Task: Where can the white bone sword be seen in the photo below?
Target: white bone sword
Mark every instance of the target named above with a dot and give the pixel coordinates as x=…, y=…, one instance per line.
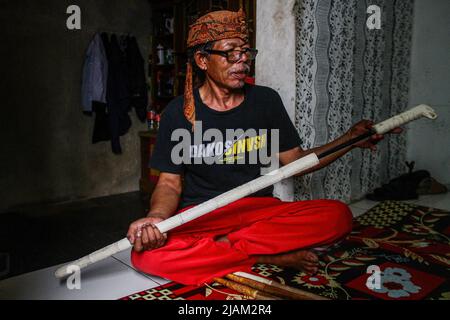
x=249, y=188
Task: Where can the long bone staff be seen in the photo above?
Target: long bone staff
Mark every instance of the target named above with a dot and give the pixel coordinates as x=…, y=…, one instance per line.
x=251, y=187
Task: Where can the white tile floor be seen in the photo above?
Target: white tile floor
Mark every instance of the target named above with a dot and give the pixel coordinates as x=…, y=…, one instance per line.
x=115, y=277
x=108, y=279
x=124, y=257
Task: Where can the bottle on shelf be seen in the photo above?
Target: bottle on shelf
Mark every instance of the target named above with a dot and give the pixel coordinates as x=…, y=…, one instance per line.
x=157, y=120
x=160, y=51
x=169, y=85
x=169, y=56
x=151, y=117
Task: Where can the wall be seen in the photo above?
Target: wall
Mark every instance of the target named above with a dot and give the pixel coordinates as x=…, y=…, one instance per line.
x=46, y=151
x=429, y=141
x=275, y=64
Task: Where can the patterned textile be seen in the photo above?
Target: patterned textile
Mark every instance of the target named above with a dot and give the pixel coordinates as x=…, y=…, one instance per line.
x=410, y=245
x=216, y=26
x=213, y=26
x=345, y=73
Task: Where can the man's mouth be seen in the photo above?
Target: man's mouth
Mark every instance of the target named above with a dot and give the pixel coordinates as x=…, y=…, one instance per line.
x=239, y=75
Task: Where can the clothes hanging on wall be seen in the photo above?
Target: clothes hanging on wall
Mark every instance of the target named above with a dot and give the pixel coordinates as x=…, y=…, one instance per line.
x=136, y=76
x=95, y=74
x=117, y=94
x=123, y=86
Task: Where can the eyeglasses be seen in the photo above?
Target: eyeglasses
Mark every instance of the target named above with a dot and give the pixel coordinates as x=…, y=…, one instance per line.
x=235, y=55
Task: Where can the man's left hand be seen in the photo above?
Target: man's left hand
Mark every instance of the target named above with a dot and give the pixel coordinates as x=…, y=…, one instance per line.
x=362, y=127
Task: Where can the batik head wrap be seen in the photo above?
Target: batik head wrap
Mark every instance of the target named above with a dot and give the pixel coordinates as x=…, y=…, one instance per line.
x=213, y=26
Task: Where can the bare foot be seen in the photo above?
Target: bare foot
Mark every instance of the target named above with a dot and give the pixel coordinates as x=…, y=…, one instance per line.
x=302, y=260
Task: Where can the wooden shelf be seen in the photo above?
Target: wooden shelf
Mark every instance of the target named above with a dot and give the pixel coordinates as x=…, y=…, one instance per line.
x=163, y=65
x=149, y=177
x=148, y=133
x=165, y=97
x=183, y=12
x=168, y=36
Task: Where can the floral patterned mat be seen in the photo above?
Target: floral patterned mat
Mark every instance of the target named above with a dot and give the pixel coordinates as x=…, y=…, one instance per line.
x=397, y=251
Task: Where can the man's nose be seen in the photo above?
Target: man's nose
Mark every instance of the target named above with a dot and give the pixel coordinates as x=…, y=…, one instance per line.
x=243, y=58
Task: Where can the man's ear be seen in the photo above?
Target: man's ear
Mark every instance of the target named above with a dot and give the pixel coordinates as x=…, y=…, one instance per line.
x=201, y=60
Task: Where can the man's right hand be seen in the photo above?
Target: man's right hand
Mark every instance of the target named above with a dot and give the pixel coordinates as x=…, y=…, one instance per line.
x=144, y=235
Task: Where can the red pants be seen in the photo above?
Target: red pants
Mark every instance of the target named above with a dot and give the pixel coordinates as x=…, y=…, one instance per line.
x=254, y=226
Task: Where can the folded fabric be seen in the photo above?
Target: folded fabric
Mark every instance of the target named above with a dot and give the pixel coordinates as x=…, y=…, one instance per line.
x=408, y=186
x=401, y=188
x=431, y=186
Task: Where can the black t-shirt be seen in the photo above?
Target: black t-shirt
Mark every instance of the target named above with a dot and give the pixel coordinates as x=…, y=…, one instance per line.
x=217, y=161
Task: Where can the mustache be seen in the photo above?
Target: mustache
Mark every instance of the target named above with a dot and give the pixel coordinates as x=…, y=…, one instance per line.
x=241, y=69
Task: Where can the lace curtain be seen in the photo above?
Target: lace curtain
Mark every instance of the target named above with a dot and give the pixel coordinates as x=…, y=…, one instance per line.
x=345, y=73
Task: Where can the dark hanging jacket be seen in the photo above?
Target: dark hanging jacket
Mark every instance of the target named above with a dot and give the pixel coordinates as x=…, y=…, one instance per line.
x=126, y=88
x=117, y=94
x=136, y=78
x=102, y=131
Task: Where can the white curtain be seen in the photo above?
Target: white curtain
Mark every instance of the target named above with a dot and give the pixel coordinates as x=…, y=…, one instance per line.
x=345, y=73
